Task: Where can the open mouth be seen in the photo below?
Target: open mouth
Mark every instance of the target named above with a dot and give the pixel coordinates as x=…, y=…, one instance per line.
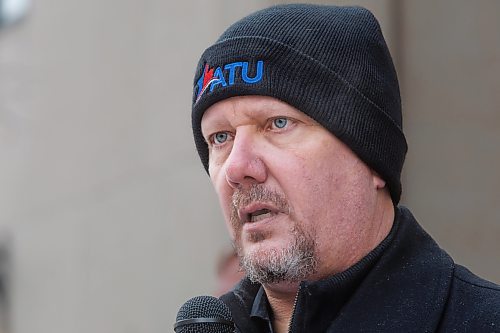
x=259, y=215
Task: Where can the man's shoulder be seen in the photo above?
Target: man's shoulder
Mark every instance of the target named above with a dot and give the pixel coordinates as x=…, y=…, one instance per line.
x=475, y=292
x=473, y=303
x=468, y=281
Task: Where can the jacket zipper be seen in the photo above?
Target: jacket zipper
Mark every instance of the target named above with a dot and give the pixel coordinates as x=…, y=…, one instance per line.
x=290, y=324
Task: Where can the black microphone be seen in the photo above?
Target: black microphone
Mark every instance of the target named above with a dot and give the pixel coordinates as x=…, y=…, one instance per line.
x=204, y=314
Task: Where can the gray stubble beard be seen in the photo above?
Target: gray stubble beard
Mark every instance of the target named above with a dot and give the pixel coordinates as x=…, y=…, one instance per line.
x=293, y=263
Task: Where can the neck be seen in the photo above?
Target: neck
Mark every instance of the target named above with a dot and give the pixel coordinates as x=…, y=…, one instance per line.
x=378, y=224
x=281, y=297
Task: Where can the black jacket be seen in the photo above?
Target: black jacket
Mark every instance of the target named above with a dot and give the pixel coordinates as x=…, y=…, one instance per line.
x=414, y=286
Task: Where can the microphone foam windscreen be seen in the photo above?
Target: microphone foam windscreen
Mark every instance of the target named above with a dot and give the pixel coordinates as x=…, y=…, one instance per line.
x=200, y=309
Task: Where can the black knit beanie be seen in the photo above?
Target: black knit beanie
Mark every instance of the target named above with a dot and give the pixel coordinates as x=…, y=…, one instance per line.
x=332, y=63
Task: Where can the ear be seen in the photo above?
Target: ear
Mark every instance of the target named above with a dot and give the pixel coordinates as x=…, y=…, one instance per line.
x=378, y=182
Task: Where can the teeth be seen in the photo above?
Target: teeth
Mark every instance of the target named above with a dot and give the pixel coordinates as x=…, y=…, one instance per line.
x=259, y=215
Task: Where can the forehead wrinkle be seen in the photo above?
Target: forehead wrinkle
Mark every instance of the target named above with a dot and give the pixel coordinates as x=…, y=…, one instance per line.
x=265, y=106
x=247, y=109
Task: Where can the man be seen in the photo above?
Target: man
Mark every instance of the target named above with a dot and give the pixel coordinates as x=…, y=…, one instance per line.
x=297, y=119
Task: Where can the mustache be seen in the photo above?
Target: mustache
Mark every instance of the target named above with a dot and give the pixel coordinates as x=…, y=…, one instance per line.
x=256, y=193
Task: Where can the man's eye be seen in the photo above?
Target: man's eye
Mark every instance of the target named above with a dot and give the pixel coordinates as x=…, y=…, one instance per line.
x=280, y=122
x=220, y=137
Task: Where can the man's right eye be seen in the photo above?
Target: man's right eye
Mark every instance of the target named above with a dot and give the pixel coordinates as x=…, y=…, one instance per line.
x=219, y=138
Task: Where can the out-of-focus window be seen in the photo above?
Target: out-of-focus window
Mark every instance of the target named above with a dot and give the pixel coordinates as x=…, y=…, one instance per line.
x=12, y=11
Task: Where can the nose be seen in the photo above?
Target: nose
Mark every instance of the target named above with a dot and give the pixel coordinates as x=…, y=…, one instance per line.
x=244, y=165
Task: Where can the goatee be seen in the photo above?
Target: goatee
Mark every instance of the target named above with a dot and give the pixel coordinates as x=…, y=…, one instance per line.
x=292, y=263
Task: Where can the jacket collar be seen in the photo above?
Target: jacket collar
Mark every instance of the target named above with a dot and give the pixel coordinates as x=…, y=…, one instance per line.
x=407, y=289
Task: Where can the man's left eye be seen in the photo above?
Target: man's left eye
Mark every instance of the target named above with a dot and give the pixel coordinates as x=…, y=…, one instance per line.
x=280, y=122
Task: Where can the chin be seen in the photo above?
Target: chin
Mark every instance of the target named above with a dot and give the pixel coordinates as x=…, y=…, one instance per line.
x=261, y=245
x=258, y=251
x=277, y=263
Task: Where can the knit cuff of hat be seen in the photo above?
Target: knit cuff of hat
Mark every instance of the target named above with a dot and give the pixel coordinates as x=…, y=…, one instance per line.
x=311, y=87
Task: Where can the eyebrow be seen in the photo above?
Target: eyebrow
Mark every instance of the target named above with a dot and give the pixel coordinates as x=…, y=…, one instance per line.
x=253, y=111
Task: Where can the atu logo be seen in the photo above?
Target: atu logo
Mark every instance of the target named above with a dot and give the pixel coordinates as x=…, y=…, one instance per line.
x=226, y=75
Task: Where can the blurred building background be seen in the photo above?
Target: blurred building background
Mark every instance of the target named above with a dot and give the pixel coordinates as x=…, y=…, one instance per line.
x=108, y=222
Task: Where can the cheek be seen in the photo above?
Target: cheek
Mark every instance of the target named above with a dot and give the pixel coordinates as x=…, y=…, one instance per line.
x=301, y=179
x=327, y=192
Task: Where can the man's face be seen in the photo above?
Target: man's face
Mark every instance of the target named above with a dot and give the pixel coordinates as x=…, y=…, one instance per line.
x=298, y=203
